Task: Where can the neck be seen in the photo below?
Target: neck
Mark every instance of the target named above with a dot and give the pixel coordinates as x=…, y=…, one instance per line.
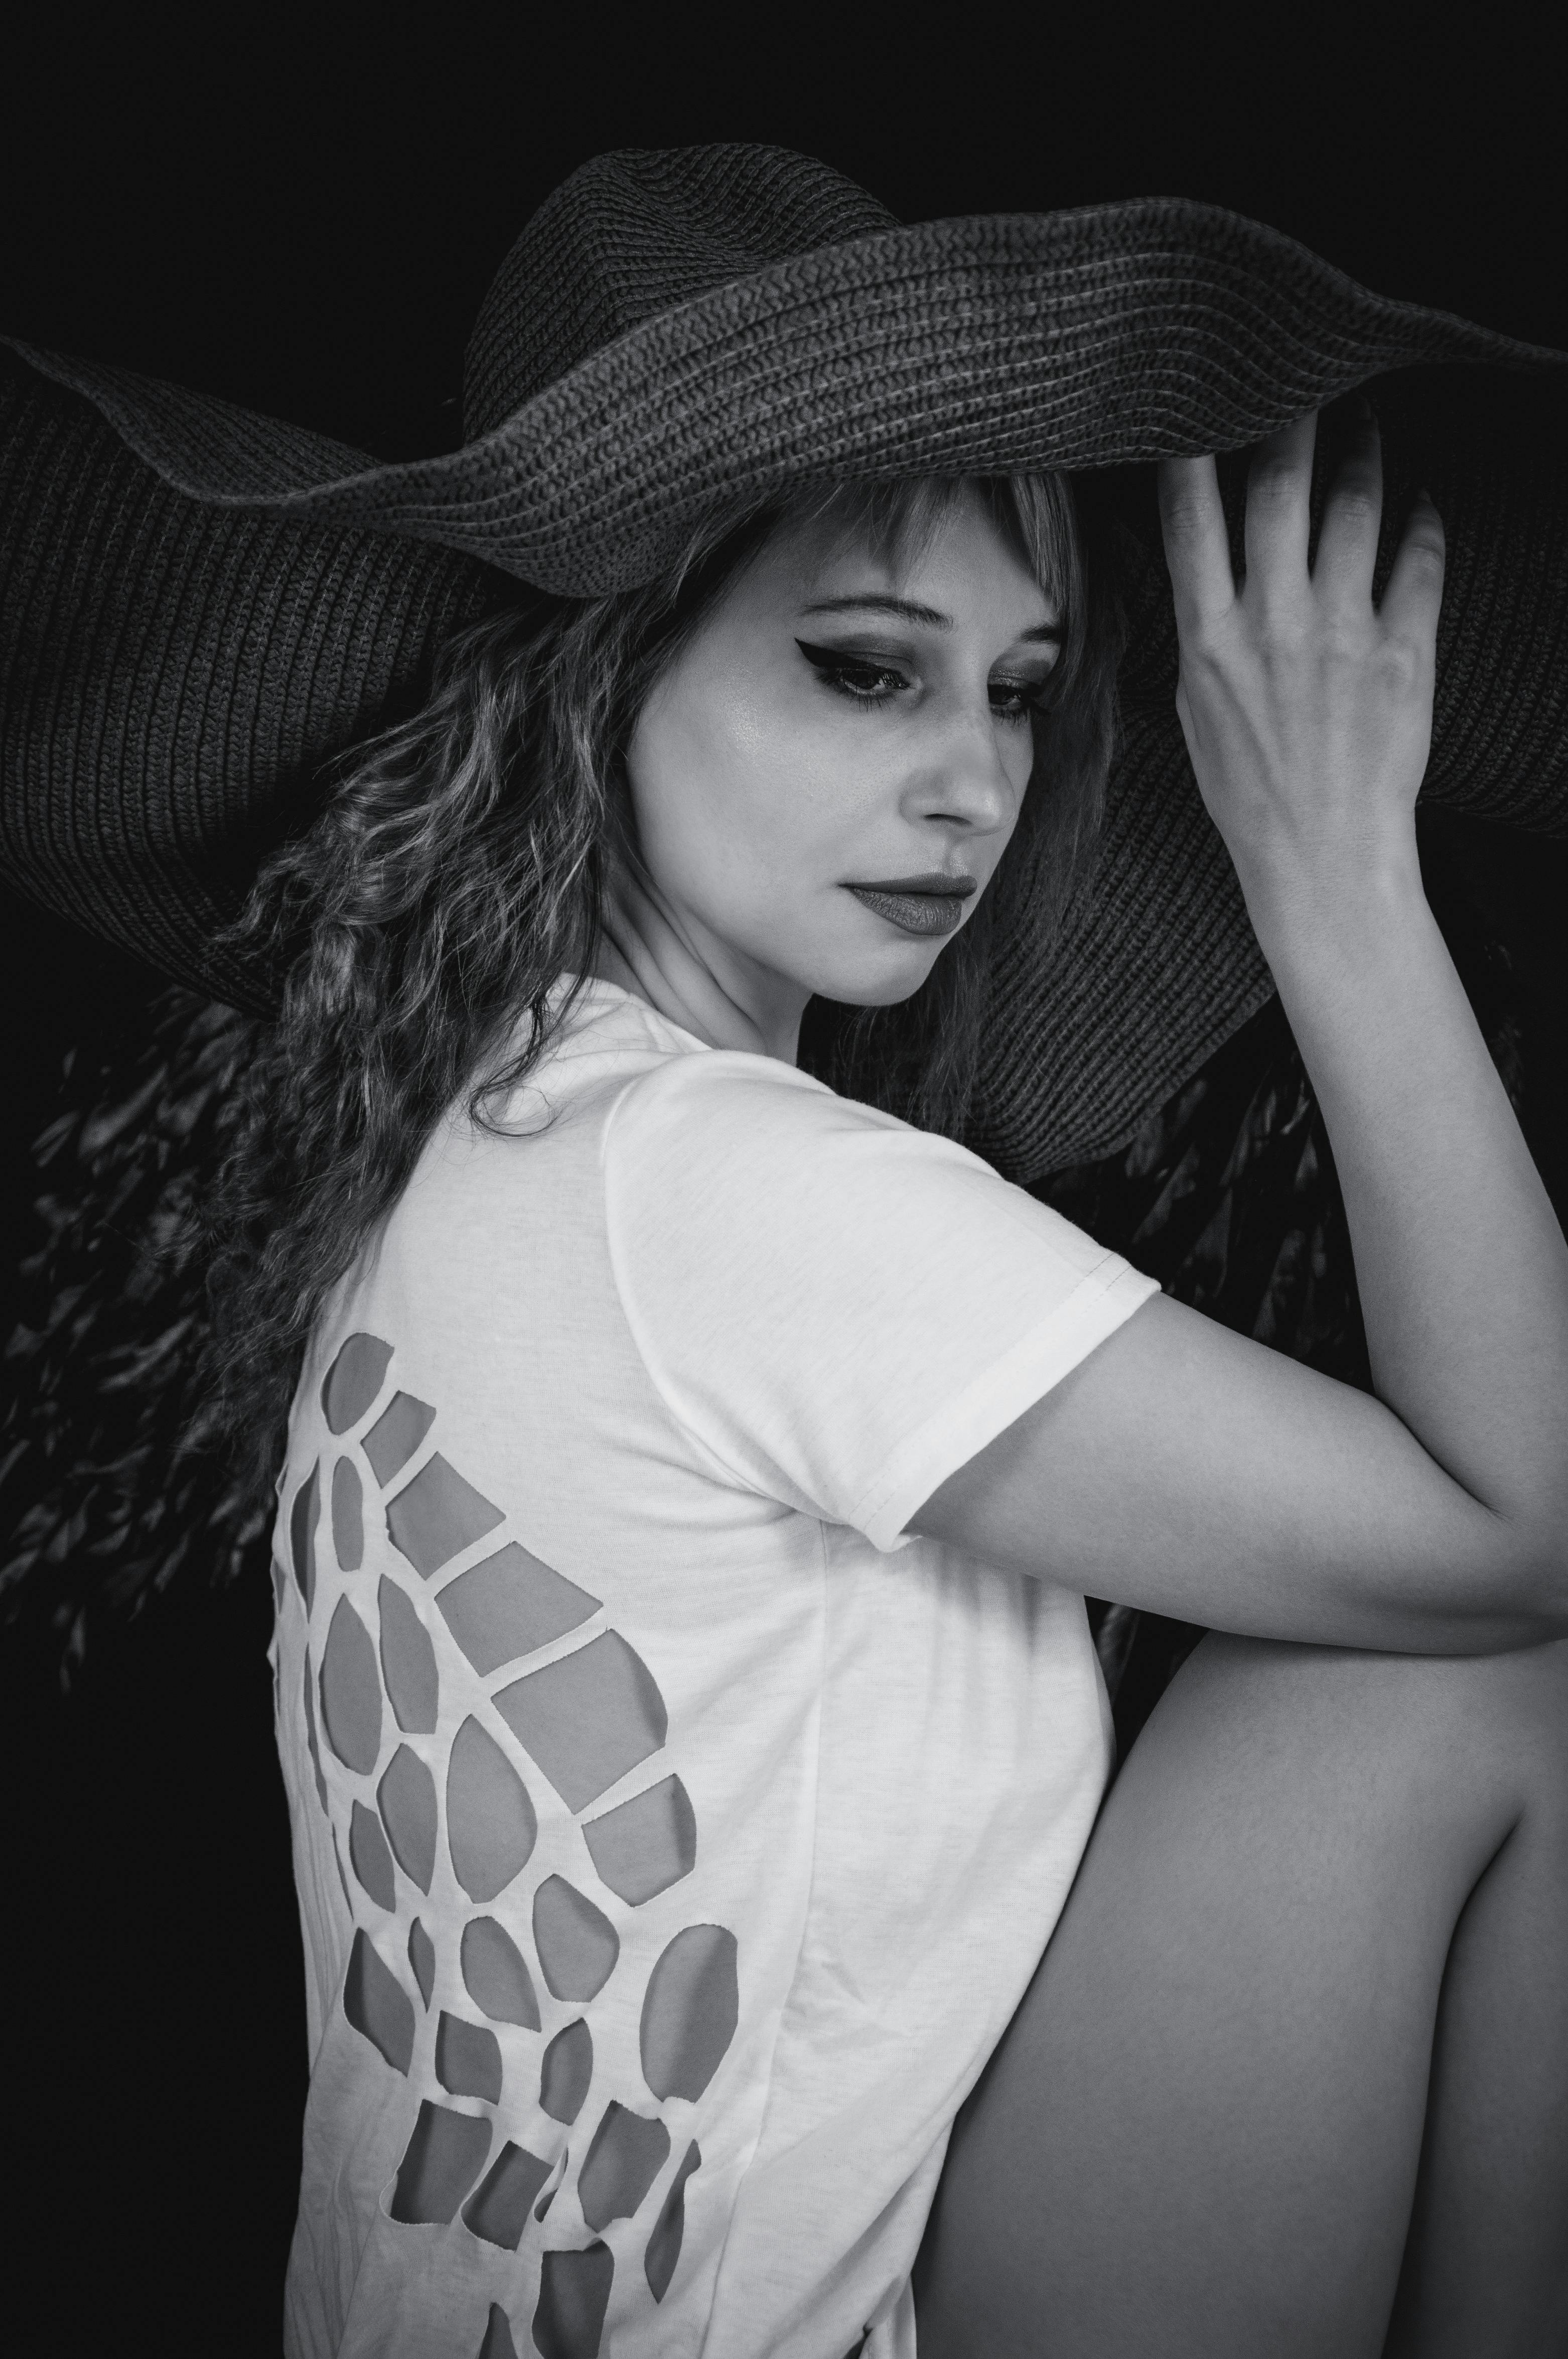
x=649, y=952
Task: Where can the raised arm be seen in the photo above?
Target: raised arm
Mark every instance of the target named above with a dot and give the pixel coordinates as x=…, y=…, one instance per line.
x=1182, y=1467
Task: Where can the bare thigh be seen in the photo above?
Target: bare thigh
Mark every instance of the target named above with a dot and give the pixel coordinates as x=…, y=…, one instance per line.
x=1204, y=2128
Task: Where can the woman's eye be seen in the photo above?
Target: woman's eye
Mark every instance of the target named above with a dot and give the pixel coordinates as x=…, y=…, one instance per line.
x=867, y=681
x=858, y=677
x=1015, y=700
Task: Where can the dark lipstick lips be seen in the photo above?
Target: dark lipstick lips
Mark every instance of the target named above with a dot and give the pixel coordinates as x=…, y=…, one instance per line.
x=931, y=880
x=931, y=904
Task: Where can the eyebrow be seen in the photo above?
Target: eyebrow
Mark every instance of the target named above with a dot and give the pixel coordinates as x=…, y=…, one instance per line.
x=908, y=610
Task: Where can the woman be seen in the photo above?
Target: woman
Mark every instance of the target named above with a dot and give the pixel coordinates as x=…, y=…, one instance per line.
x=684, y=1693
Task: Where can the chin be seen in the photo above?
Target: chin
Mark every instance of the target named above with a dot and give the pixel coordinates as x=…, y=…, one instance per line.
x=884, y=982
x=885, y=995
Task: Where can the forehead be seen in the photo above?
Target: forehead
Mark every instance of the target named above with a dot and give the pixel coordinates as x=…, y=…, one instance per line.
x=951, y=553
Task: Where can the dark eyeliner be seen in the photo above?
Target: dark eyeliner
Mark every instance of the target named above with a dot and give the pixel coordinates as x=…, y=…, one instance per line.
x=836, y=667
x=843, y=658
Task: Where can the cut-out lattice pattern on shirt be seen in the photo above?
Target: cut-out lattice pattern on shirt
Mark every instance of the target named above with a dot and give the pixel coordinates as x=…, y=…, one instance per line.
x=454, y=1782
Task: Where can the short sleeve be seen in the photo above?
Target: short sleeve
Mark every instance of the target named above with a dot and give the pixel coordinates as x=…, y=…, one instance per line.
x=840, y=1310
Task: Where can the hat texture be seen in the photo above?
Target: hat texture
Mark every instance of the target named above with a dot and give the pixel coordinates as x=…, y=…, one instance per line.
x=200, y=607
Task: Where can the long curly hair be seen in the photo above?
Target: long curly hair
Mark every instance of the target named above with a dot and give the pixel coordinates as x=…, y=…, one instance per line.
x=459, y=872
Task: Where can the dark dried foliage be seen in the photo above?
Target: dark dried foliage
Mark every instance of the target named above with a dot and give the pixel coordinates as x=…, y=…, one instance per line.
x=108, y=1480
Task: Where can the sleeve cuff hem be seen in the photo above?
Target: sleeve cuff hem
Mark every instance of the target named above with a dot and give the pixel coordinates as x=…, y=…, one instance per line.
x=1104, y=1301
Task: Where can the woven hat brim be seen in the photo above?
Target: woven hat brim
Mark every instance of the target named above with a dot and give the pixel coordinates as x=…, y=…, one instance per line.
x=173, y=678
x=1084, y=339
x=199, y=608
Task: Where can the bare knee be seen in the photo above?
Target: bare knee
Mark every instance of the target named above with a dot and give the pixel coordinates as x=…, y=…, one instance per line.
x=1491, y=1730
x=1260, y=1935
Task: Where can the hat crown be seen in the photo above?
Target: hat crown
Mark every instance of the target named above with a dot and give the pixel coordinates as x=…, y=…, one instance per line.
x=637, y=231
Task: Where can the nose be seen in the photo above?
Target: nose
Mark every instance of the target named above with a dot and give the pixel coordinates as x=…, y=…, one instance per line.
x=967, y=779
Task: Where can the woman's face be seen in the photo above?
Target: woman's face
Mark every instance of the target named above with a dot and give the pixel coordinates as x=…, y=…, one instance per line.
x=826, y=778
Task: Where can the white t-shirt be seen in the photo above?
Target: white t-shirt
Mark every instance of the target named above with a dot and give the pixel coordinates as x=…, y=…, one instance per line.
x=673, y=1838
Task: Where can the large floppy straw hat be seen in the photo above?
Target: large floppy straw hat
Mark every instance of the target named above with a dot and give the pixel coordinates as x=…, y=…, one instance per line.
x=200, y=607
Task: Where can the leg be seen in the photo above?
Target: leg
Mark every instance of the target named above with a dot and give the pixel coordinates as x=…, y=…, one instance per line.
x=1491, y=2208
x=1200, y=2137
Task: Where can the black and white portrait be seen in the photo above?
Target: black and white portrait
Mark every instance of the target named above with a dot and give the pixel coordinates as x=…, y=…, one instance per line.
x=783, y=1482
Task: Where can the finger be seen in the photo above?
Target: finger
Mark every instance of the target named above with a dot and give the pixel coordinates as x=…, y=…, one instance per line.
x=1197, y=550
x=1347, y=544
x=1279, y=486
x=1413, y=598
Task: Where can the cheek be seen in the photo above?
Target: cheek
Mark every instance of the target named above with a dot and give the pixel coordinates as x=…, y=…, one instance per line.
x=731, y=793
x=698, y=792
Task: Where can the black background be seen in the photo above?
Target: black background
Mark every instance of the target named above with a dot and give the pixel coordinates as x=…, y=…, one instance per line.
x=302, y=214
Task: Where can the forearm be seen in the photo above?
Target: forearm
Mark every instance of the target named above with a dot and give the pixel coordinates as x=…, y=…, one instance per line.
x=1461, y=1264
